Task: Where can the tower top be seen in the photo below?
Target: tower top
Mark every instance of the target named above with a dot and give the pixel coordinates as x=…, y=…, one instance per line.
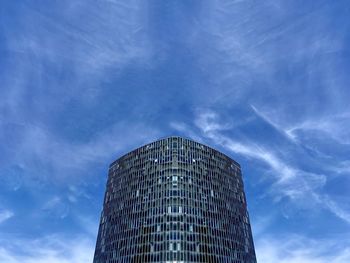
x=175, y=138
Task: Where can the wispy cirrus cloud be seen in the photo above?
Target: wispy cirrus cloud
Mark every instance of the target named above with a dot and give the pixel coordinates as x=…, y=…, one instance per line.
x=334, y=126
x=64, y=51
x=287, y=179
x=55, y=58
x=113, y=33
x=49, y=249
x=284, y=60
x=5, y=215
x=299, y=249
x=326, y=137
x=83, y=80
x=247, y=48
x=335, y=208
x=59, y=158
x=292, y=181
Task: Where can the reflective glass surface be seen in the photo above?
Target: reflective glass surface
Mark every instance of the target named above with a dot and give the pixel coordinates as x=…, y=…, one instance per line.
x=174, y=200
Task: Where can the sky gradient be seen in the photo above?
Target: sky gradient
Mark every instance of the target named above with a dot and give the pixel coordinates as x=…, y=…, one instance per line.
x=83, y=82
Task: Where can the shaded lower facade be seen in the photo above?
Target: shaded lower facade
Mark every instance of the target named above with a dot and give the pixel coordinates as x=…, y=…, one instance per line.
x=174, y=200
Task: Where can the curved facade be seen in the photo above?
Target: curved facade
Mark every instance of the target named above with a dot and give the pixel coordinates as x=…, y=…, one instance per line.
x=174, y=200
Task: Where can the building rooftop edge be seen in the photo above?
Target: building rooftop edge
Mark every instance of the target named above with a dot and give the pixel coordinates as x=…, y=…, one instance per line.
x=173, y=136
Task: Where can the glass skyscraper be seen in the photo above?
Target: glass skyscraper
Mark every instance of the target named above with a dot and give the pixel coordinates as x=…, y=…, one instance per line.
x=174, y=200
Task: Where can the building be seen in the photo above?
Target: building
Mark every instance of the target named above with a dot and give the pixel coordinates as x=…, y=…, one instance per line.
x=174, y=200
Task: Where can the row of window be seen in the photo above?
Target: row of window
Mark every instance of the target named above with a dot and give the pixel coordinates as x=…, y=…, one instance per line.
x=174, y=200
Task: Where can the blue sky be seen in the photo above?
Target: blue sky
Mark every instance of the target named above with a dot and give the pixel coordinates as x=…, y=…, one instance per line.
x=266, y=82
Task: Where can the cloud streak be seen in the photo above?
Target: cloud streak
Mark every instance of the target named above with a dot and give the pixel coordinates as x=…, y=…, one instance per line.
x=61, y=158
x=80, y=43
x=290, y=181
x=299, y=249
x=5, y=215
x=50, y=249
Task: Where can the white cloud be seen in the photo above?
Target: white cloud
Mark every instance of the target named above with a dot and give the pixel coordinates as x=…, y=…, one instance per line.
x=335, y=208
x=272, y=123
x=185, y=129
x=341, y=168
x=298, y=249
x=89, y=224
x=248, y=44
x=65, y=52
x=50, y=249
x=52, y=203
x=335, y=126
x=261, y=224
x=5, y=215
x=288, y=180
x=268, y=55
x=60, y=158
x=56, y=207
x=90, y=35
x=208, y=123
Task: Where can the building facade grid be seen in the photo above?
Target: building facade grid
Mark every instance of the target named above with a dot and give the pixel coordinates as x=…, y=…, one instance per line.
x=174, y=200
